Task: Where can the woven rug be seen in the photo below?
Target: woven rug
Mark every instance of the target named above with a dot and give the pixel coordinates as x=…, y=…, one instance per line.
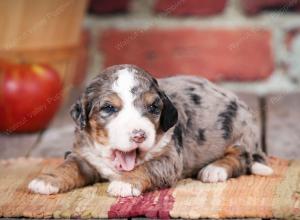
x=277, y=196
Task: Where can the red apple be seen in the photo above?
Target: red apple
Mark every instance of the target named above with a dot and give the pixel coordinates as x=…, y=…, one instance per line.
x=30, y=94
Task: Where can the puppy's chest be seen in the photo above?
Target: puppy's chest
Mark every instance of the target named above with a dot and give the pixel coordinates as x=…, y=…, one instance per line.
x=98, y=162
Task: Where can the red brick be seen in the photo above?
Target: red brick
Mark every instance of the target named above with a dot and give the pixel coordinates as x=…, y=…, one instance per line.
x=108, y=6
x=228, y=54
x=255, y=6
x=190, y=7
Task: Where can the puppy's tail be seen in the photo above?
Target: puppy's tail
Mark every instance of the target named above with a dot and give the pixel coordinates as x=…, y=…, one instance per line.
x=261, y=169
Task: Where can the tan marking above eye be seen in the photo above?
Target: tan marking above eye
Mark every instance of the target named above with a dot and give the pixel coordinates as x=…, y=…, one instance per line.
x=114, y=100
x=149, y=97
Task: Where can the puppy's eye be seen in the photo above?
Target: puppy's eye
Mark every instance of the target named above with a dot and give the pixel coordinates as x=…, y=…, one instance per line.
x=154, y=108
x=107, y=110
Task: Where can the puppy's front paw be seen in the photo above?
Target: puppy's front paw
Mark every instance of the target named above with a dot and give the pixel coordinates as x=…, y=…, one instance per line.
x=123, y=189
x=213, y=174
x=43, y=186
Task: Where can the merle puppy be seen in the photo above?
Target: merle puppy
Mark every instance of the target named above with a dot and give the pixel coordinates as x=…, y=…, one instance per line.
x=142, y=134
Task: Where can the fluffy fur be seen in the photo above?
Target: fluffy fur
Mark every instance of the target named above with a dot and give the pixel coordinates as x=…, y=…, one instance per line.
x=187, y=127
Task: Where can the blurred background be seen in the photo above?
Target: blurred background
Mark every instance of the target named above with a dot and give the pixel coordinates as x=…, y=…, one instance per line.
x=49, y=49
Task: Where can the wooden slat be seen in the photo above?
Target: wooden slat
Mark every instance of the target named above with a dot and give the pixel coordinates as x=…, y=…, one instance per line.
x=282, y=125
x=59, y=137
x=55, y=141
x=16, y=145
x=253, y=101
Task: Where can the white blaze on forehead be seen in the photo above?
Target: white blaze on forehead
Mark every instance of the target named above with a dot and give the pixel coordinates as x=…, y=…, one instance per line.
x=123, y=85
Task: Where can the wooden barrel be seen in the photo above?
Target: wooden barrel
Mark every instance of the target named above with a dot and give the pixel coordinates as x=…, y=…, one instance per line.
x=42, y=31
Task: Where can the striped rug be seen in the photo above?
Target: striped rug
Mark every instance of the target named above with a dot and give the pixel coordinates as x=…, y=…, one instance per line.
x=277, y=196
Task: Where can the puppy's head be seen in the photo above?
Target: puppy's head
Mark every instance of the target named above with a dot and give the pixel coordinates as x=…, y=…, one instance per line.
x=124, y=111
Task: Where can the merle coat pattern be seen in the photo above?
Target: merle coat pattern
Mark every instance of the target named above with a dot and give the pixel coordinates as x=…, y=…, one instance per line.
x=187, y=127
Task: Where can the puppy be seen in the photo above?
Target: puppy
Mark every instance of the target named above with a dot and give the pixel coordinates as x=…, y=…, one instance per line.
x=142, y=134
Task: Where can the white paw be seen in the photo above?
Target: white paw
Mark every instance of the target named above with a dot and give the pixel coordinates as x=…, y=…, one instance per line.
x=123, y=189
x=261, y=169
x=41, y=187
x=213, y=174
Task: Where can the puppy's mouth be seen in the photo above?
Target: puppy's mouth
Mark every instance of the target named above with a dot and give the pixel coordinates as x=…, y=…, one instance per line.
x=125, y=161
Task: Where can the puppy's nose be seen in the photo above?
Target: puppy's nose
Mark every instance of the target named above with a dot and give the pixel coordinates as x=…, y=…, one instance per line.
x=138, y=136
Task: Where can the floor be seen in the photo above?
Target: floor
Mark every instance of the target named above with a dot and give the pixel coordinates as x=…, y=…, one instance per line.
x=279, y=116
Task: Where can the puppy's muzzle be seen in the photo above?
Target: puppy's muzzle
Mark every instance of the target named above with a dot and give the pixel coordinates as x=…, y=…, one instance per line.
x=138, y=136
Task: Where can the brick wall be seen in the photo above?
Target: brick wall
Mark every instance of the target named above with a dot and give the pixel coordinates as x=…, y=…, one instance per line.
x=243, y=43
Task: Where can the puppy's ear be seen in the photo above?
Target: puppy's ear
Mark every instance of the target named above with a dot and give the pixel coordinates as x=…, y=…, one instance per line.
x=155, y=81
x=80, y=111
x=169, y=114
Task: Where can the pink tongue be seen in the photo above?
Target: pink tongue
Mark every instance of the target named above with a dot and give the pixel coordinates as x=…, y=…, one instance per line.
x=125, y=161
